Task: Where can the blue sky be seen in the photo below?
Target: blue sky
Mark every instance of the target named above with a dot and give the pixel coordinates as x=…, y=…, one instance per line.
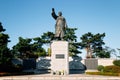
x=31, y=18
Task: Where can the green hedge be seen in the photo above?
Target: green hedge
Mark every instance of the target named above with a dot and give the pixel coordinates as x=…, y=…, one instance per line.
x=15, y=73
x=116, y=62
x=112, y=69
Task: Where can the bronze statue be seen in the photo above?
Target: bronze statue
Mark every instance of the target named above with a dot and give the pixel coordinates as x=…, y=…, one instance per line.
x=60, y=25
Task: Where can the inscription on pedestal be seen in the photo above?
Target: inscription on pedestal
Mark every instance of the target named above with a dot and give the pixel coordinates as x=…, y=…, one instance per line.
x=91, y=64
x=60, y=56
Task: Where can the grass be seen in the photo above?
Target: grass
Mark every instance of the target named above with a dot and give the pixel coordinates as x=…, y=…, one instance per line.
x=103, y=73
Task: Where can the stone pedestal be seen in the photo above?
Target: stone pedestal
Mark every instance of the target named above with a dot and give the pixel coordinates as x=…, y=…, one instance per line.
x=91, y=65
x=59, y=57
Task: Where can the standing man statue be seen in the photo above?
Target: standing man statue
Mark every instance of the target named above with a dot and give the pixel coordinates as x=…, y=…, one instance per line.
x=60, y=25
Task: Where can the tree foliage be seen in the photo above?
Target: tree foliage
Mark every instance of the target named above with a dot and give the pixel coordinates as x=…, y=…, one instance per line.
x=37, y=46
x=1, y=28
x=26, y=49
x=105, y=52
x=70, y=36
x=23, y=47
x=5, y=54
x=47, y=37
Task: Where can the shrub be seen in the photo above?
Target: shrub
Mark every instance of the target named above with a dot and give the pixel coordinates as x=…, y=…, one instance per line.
x=116, y=62
x=100, y=68
x=17, y=68
x=112, y=69
x=93, y=73
x=15, y=73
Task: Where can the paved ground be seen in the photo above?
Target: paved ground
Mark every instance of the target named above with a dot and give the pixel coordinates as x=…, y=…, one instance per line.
x=59, y=77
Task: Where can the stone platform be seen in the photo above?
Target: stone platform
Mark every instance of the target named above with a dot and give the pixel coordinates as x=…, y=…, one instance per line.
x=60, y=77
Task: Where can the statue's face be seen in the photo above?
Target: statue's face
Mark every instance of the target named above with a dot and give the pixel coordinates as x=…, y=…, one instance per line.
x=59, y=13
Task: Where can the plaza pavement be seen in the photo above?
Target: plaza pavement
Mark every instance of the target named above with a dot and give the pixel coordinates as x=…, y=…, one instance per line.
x=59, y=77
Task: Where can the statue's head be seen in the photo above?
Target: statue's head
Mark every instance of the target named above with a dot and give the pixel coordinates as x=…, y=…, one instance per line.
x=59, y=13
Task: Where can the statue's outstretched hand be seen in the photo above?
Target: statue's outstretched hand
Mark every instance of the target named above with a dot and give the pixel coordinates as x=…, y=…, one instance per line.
x=53, y=10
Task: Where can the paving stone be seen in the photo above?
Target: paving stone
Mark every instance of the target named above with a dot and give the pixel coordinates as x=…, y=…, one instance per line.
x=59, y=77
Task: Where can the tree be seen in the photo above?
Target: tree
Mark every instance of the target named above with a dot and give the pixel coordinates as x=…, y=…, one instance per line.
x=29, y=48
x=105, y=52
x=1, y=28
x=23, y=48
x=5, y=54
x=92, y=43
x=47, y=37
x=37, y=46
x=70, y=36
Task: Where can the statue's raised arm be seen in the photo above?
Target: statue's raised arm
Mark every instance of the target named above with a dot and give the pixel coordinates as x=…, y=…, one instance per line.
x=54, y=14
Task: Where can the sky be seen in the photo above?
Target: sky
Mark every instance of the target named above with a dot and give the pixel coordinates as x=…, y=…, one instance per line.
x=31, y=18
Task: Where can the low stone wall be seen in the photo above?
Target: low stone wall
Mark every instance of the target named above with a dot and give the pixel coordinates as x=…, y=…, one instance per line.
x=74, y=63
x=105, y=61
x=45, y=63
x=101, y=61
x=93, y=63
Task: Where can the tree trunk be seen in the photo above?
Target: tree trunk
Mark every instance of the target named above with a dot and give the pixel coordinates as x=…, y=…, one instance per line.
x=87, y=50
